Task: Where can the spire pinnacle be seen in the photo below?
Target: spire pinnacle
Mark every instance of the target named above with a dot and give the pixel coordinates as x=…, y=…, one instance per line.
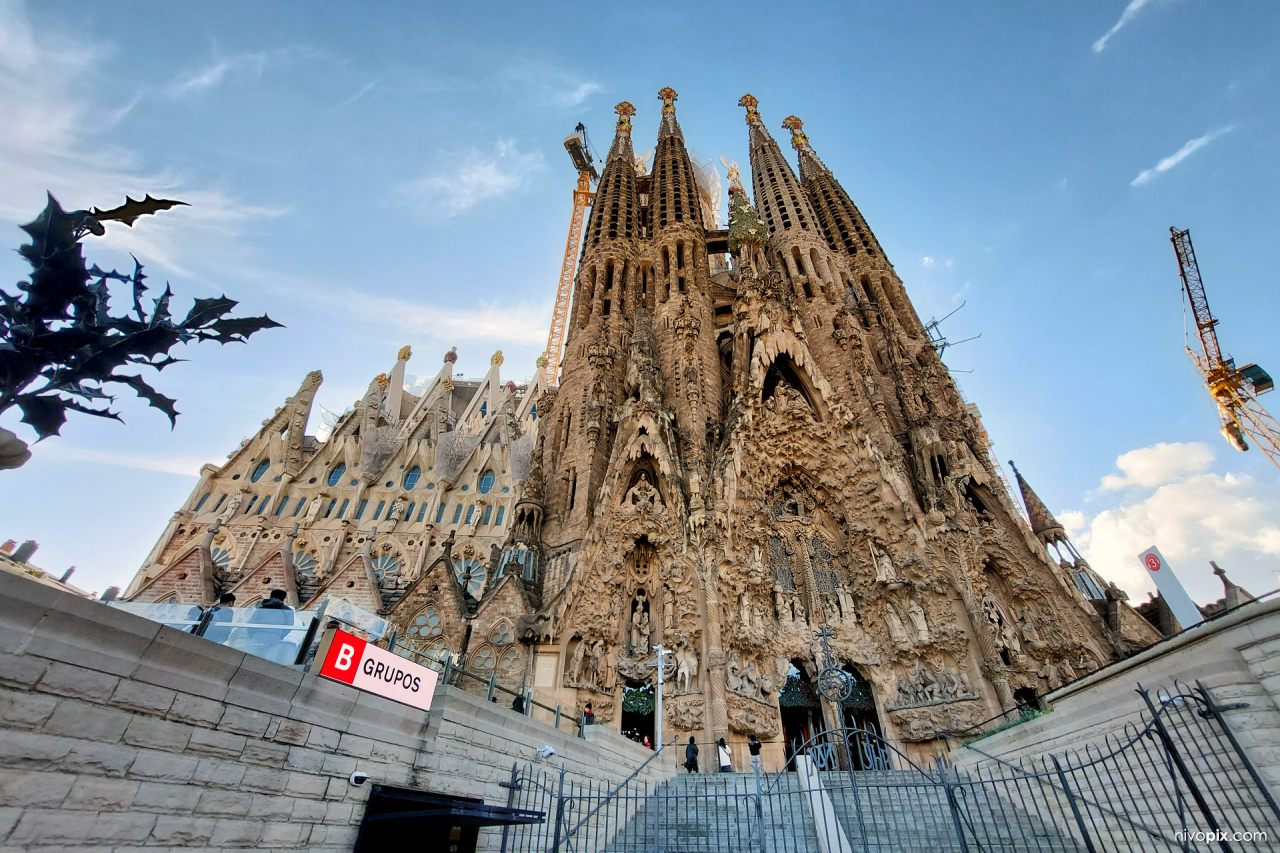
x=668, y=97
x=625, y=111
x=669, y=127
x=750, y=102
x=1045, y=527
x=809, y=162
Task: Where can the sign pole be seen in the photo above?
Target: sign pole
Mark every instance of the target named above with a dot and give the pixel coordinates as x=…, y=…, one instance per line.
x=657, y=697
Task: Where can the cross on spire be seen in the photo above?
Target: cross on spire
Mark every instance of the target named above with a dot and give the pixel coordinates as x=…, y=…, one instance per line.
x=668, y=97
x=625, y=111
x=750, y=102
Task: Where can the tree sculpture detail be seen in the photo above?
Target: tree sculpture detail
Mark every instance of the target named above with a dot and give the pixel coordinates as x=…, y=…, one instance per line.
x=60, y=347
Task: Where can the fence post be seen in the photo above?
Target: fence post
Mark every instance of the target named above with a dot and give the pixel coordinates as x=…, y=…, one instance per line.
x=448, y=669
x=953, y=803
x=493, y=683
x=557, y=716
x=555, y=843
x=1216, y=711
x=512, y=787
x=1075, y=808
x=1176, y=757
x=657, y=819
x=755, y=762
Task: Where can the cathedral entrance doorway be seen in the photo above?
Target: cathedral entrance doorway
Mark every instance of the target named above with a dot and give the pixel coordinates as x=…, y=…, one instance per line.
x=637, y=711
x=800, y=710
x=858, y=712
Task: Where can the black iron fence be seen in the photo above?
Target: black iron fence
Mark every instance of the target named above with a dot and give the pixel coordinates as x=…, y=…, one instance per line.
x=1175, y=779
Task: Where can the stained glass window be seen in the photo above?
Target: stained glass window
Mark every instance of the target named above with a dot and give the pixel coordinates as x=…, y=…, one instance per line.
x=221, y=557
x=411, y=477
x=501, y=509
x=484, y=658
x=488, y=511
x=470, y=573
x=203, y=498
x=260, y=470
x=385, y=564
x=422, y=512
x=336, y=474
x=426, y=623
x=486, y=482
x=502, y=634
x=510, y=659
x=305, y=562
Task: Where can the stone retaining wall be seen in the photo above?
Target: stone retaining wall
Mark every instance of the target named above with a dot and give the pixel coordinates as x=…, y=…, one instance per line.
x=119, y=732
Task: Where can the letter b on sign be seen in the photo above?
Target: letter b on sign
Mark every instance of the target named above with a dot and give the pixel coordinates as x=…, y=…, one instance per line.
x=343, y=660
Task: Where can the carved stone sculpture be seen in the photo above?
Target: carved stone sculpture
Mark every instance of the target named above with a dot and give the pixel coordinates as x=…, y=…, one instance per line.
x=897, y=631
x=916, y=612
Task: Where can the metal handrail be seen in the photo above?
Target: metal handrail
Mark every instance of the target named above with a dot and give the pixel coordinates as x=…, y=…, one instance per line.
x=605, y=800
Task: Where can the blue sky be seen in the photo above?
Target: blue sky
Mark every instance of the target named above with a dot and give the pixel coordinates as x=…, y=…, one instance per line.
x=374, y=176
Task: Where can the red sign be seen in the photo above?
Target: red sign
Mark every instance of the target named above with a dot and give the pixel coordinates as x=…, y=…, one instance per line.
x=364, y=666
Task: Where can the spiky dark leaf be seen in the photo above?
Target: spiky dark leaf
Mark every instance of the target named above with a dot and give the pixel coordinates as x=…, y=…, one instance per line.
x=131, y=210
x=207, y=310
x=231, y=329
x=160, y=312
x=45, y=415
x=151, y=395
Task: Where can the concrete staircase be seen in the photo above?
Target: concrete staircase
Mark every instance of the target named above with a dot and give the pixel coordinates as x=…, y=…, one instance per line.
x=901, y=811
x=716, y=813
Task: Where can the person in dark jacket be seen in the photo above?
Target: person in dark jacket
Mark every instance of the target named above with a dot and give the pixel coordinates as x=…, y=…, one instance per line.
x=691, y=756
x=221, y=612
x=269, y=642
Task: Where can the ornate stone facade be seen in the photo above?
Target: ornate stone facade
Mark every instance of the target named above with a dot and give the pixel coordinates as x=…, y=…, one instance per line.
x=735, y=457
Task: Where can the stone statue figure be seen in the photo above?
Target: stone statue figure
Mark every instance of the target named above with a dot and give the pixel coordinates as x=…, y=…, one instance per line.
x=744, y=611
x=232, y=506
x=394, y=512
x=643, y=495
x=574, y=672
x=1068, y=673
x=916, y=613
x=953, y=686
x=668, y=612
x=1087, y=663
x=897, y=632
x=640, y=629
x=848, y=610
x=780, y=605
x=609, y=669
x=686, y=669
x=594, y=659
x=797, y=609
x=1031, y=634
x=313, y=511
x=885, y=572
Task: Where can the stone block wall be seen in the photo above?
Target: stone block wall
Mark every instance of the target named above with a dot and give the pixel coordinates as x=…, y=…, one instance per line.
x=119, y=732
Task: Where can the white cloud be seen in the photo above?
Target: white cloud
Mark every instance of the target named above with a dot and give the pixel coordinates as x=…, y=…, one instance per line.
x=364, y=90
x=928, y=262
x=1191, y=514
x=473, y=177
x=512, y=324
x=1161, y=463
x=549, y=84
x=52, y=138
x=1181, y=154
x=1130, y=12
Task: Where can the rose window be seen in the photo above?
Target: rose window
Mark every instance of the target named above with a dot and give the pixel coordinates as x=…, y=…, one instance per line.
x=426, y=624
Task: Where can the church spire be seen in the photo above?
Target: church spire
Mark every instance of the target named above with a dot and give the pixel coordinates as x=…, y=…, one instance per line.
x=616, y=209
x=778, y=194
x=674, y=199
x=1045, y=527
x=810, y=165
x=842, y=224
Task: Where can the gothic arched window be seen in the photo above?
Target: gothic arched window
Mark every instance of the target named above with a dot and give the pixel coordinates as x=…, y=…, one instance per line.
x=411, y=477
x=336, y=474
x=260, y=470
x=426, y=624
x=470, y=573
x=486, y=482
x=386, y=564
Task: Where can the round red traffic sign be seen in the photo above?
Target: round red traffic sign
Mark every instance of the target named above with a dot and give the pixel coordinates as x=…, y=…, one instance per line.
x=1153, y=562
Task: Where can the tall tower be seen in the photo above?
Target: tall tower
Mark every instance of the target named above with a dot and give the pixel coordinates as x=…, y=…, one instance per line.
x=769, y=451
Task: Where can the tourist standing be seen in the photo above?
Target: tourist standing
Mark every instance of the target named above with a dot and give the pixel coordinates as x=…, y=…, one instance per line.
x=722, y=754
x=691, y=756
x=754, y=746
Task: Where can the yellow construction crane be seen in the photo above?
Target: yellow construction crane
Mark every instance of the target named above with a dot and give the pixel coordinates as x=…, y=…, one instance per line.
x=1234, y=390
x=580, y=153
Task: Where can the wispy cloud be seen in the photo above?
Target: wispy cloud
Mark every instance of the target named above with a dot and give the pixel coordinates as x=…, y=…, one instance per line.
x=514, y=324
x=549, y=84
x=1160, y=463
x=61, y=451
x=1181, y=154
x=1130, y=12
x=53, y=138
x=472, y=177
x=364, y=90
x=197, y=80
x=928, y=262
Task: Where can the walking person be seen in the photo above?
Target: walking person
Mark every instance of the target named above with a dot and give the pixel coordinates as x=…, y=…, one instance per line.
x=722, y=754
x=691, y=756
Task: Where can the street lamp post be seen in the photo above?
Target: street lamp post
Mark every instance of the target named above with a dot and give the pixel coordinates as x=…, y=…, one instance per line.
x=660, y=665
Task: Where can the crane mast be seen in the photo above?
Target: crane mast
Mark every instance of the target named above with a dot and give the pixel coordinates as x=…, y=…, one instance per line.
x=1234, y=390
x=580, y=154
